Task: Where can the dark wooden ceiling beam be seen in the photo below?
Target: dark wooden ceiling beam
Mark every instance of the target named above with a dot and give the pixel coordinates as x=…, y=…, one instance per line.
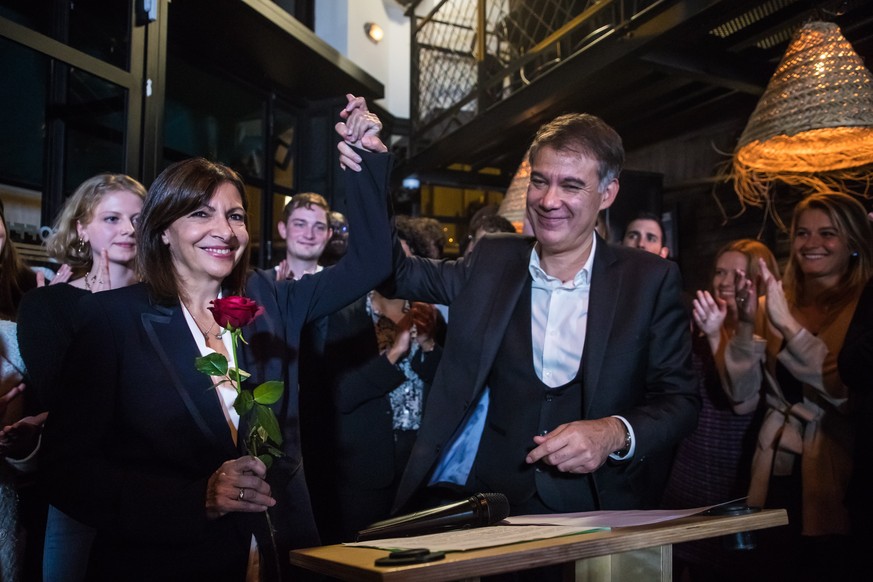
x=713, y=69
x=577, y=83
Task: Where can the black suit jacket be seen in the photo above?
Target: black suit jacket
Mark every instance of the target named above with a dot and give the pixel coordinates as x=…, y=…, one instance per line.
x=636, y=360
x=137, y=431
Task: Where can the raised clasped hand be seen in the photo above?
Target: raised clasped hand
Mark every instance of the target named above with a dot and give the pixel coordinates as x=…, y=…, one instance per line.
x=360, y=129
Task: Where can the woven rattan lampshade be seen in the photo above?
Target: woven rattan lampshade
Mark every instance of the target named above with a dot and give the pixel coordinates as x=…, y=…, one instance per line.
x=813, y=127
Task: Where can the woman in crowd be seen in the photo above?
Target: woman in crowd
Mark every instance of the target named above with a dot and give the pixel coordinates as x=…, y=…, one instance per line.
x=711, y=465
x=15, y=279
x=94, y=237
x=803, y=458
x=156, y=468
x=379, y=358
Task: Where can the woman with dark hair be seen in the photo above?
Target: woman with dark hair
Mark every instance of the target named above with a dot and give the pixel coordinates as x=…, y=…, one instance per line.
x=803, y=458
x=157, y=468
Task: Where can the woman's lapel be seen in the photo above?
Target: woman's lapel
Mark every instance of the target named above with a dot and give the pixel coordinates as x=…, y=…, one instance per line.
x=171, y=339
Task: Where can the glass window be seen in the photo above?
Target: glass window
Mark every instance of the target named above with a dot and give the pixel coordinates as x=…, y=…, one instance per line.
x=284, y=134
x=95, y=27
x=22, y=115
x=214, y=117
x=95, y=128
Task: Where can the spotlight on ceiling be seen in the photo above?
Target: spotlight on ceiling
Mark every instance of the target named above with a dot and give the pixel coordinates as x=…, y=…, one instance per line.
x=373, y=31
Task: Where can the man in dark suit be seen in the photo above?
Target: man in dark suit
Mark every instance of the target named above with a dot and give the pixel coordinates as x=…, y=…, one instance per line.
x=566, y=381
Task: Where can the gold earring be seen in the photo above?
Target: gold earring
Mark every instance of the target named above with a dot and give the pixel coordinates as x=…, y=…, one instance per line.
x=80, y=247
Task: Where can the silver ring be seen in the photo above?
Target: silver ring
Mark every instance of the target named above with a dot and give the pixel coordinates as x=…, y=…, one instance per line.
x=242, y=494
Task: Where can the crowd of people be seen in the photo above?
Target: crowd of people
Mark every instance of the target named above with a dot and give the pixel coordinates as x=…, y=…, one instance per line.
x=563, y=371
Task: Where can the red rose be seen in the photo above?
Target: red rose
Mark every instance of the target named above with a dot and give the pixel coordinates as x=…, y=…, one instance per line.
x=235, y=311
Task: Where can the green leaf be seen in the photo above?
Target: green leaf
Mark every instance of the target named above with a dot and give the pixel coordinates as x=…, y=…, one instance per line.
x=267, y=420
x=212, y=365
x=243, y=402
x=238, y=375
x=266, y=459
x=269, y=392
x=274, y=451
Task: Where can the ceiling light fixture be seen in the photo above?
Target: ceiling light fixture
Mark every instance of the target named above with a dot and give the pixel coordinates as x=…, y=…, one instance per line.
x=374, y=32
x=813, y=126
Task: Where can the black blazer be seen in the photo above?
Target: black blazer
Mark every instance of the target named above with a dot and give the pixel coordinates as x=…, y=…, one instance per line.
x=138, y=431
x=361, y=382
x=636, y=361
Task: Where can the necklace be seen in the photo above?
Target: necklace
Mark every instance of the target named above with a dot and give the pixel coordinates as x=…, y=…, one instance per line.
x=200, y=327
x=88, y=277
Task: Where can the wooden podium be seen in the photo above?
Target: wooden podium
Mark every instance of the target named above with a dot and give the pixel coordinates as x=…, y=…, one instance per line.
x=627, y=554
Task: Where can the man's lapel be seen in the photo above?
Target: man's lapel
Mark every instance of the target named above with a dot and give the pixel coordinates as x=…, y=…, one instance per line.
x=602, y=302
x=512, y=279
x=171, y=339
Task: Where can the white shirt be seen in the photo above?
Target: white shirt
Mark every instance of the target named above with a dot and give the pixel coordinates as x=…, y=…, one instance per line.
x=226, y=392
x=559, y=321
x=559, y=315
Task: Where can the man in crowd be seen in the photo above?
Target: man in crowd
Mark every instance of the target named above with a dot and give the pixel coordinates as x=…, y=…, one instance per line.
x=486, y=224
x=305, y=229
x=566, y=380
x=339, y=240
x=646, y=232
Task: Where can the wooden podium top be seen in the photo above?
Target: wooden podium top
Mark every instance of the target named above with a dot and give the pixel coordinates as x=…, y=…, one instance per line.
x=355, y=563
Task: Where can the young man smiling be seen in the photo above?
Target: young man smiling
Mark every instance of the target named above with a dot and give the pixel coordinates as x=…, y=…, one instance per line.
x=305, y=228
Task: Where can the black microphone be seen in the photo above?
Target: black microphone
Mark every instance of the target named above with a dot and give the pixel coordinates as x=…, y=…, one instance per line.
x=481, y=509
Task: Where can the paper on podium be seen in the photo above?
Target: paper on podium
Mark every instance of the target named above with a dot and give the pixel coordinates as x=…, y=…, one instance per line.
x=526, y=528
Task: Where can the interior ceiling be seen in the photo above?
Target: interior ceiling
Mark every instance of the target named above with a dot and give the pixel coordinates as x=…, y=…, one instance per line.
x=259, y=42
x=693, y=63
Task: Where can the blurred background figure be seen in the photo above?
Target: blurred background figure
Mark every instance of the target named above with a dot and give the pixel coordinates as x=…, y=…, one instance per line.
x=15, y=277
x=803, y=457
x=378, y=361
x=339, y=240
x=486, y=224
x=712, y=463
x=420, y=236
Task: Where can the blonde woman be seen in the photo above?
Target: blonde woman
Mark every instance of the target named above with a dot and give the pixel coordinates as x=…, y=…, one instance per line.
x=94, y=237
x=803, y=458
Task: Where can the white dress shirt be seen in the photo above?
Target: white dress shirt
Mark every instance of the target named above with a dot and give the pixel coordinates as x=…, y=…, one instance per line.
x=559, y=318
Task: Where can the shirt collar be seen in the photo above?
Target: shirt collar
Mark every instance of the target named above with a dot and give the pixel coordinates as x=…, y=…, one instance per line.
x=541, y=278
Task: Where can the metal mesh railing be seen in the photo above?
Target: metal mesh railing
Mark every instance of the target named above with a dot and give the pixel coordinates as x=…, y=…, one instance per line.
x=470, y=54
